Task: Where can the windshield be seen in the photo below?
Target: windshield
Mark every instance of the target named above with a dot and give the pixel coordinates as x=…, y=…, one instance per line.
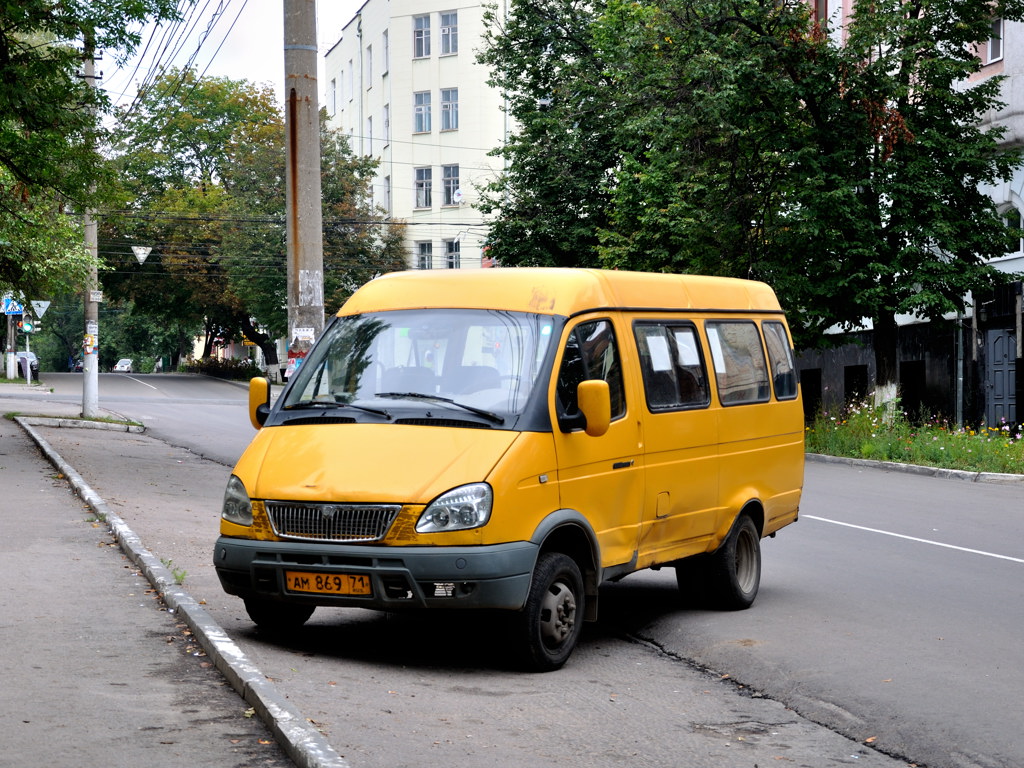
x=471, y=360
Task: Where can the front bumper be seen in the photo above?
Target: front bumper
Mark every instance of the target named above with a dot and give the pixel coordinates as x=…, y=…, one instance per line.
x=485, y=577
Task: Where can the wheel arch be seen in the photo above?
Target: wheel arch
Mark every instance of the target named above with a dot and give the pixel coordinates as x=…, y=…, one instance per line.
x=568, y=532
x=754, y=509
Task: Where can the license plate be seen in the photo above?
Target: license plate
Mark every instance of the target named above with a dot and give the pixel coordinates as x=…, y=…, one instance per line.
x=328, y=583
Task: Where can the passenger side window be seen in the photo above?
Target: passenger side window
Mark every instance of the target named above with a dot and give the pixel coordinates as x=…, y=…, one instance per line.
x=591, y=352
x=780, y=358
x=740, y=371
x=672, y=366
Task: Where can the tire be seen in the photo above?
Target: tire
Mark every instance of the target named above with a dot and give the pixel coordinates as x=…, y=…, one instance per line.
x=735, y=569
x=551, y=622
x=275, y=616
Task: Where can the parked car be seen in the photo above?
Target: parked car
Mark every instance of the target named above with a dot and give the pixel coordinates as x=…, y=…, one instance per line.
x=76, y=366
x=27, y=361
x=124, y=365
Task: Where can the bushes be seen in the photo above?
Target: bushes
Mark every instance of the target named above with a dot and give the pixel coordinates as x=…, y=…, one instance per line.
x=862, y=431
x=236, y=370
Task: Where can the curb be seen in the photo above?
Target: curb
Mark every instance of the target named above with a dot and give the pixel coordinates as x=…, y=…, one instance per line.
x=50, y=421
x=305, y=745
x=917, y=469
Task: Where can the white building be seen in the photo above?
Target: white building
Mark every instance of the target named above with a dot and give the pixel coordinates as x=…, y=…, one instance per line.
x=403, y=83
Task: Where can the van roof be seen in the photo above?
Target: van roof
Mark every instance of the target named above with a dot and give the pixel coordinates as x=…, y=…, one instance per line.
x=558, y=291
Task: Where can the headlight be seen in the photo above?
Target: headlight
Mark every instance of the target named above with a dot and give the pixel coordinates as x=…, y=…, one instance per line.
x=237, y=507
x=460, y=508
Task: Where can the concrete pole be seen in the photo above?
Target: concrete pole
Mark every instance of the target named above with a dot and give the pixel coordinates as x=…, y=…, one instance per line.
x=90, y=343
x=302, y=172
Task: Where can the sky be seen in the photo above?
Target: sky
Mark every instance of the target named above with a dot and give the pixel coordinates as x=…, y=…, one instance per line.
x=245, y=41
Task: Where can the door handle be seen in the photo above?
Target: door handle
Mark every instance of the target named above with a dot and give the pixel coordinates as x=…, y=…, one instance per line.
x=622, y=464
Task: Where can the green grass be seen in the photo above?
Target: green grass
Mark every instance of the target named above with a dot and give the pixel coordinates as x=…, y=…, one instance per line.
x=862, y=431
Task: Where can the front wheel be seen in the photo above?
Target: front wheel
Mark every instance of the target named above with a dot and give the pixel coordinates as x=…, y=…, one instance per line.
x=552, y=619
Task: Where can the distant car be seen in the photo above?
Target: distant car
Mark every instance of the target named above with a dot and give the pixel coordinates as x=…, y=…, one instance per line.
x=77, y=365
x=124, y=365
x=27, y=361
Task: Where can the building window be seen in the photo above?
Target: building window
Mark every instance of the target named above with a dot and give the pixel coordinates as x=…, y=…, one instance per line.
x=450, y=182
x=449, y=109
x=424, y=255
x=369, y=135
x=348, y=81
x=424, y=181
x=1013, y=221
x=421, y=112
x=995, y=43
x=420, y=37
x=385, y=45
x=452, y=254
x=369, y=66
x=387, y=194
x=449, y=33
x=332, y=97
x=387, y=124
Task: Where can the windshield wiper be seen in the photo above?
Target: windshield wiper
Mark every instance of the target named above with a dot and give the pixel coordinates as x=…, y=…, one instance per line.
x=339, y=404
x=490, y=416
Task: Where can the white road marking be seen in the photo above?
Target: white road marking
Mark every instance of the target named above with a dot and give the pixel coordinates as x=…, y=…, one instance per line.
x=140, y=381
x=914, y=538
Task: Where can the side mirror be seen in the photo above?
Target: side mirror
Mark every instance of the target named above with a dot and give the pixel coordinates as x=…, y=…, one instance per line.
x=259, y=401
x=595, y=403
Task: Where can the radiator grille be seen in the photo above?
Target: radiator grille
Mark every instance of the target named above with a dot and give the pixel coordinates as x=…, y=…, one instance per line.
x=331, y=522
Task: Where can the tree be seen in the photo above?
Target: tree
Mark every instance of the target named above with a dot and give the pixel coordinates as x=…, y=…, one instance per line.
x=550, y=202
x=740, y=139
x=50, y=134
x=203, y=166
x=358, y=242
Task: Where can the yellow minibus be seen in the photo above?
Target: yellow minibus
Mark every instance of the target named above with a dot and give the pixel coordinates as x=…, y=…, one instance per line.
x=510, y=439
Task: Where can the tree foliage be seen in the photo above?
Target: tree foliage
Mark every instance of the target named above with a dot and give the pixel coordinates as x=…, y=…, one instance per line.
x=551, y=201
x=738, y=137
x=202, y=167
x=50, y=132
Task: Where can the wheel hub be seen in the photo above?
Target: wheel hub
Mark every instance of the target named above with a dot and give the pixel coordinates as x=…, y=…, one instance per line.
x=558, y=614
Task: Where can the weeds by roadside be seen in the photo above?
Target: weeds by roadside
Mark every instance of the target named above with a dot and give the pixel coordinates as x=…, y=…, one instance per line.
x=179, y=574
x=861, y=431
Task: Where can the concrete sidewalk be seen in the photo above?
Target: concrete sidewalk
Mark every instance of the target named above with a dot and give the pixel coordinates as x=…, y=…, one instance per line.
x=98, y=672
x=109, y=659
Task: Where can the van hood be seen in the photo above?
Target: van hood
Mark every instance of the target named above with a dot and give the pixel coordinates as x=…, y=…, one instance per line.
x=368, y=463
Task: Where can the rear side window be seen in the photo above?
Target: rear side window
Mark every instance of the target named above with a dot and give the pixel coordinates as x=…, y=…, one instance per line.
x=591, y=352
x=780, y=359
x=740, y=371
x=672, y=366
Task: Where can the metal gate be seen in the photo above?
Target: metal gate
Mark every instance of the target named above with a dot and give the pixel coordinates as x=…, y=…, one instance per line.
x=1000, y=378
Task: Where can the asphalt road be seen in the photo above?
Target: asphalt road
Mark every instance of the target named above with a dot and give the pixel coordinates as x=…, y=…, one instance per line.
x=890, y=614
x=892, y=611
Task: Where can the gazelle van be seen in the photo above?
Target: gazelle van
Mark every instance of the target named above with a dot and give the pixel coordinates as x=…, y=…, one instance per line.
x=510, y=439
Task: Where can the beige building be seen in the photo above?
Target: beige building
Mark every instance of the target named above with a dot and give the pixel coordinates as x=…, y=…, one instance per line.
x=403, y=83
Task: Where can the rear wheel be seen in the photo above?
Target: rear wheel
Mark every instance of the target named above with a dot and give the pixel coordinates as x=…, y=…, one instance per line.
x=735, y=569
x=275, y=616
x=552, y=619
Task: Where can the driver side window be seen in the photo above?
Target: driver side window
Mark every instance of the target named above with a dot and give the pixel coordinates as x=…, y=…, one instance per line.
x=591, y=352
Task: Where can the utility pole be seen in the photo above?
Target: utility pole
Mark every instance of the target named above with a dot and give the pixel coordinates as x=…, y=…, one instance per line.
x=90, y=343
x=302, y=189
